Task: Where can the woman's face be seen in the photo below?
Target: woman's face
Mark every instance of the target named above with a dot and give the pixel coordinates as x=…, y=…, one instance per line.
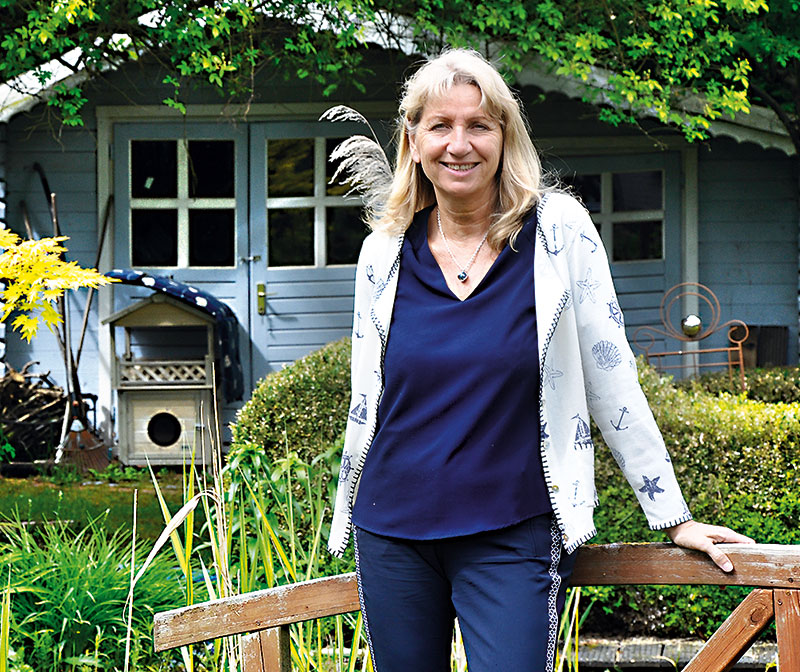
x=458, y=145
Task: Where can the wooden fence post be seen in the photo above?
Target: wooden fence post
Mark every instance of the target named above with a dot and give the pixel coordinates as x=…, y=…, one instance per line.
x=735, y=635
x=787, y=624
x=267, y=650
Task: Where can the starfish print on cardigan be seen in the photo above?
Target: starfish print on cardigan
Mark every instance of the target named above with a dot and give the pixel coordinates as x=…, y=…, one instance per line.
x=651, y=487
x=588, y=285
x=550, y=376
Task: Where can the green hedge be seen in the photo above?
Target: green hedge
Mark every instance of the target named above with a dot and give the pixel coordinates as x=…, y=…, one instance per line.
x=737, y=462
x=771, y=385
x=736, y=459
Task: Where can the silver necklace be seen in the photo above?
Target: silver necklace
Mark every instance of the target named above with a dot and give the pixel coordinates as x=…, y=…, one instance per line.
x=463, y=270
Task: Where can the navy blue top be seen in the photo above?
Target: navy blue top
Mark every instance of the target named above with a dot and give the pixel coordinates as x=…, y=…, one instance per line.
x=457, y=446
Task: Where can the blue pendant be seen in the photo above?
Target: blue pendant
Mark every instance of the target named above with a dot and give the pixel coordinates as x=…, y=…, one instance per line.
x=462, y=276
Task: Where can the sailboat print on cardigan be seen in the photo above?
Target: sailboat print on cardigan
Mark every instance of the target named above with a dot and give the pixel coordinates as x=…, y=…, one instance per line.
x=583, y=436
x=358, y=413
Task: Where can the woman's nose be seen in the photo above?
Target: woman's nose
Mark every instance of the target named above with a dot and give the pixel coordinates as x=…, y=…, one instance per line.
x=459, y=141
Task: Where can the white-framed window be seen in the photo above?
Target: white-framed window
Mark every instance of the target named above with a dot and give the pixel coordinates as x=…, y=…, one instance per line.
x=627, y=208
x=182, y=201
x=310, y=222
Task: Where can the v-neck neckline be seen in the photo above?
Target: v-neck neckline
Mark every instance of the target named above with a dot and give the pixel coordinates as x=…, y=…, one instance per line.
x=443, y=278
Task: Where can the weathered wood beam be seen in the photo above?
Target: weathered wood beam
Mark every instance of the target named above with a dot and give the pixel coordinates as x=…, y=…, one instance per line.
x=767, y=566
x=757, y=565
x=787, y=624
x=258, y=610
x=735, y=635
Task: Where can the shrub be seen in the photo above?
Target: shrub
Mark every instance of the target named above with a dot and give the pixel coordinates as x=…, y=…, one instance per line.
x=737, y=461
x=303, y=406
x=770, y=385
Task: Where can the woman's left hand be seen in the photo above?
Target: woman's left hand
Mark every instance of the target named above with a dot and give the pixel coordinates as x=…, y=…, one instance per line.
x=702, y=537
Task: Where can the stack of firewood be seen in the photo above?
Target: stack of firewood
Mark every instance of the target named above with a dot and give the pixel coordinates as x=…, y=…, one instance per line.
x=31, y=412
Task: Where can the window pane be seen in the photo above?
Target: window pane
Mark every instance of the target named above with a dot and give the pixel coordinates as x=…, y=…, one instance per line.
x=345, y=233
x=154, y=237
x=291, y=237
x=335, y=189
x=587, y=189
x=290, y=167
x=154, y=169
x=211, y=238
x=211, y=169
x=637, y=241
x=637, y=191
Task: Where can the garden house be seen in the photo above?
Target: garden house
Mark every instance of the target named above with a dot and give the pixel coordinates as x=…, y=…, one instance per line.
x=236, y=202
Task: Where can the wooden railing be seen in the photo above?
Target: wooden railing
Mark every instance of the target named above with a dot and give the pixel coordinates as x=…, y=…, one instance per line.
x=774, y=572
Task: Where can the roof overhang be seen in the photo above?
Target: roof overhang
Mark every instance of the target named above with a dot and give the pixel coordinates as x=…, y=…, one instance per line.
x=760, y=126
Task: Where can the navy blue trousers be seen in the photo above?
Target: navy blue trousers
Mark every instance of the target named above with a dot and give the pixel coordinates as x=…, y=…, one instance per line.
x=507, y=588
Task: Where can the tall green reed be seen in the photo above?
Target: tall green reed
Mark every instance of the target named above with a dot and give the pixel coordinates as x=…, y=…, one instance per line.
x=5, y=625
x=62, y=607
x=263, y=524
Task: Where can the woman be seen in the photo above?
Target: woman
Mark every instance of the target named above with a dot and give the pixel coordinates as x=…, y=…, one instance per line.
x=489, y=328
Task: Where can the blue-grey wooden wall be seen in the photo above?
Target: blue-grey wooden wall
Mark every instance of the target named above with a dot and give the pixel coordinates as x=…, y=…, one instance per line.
x=748, y=221
x=67, y=157
x=748, y=233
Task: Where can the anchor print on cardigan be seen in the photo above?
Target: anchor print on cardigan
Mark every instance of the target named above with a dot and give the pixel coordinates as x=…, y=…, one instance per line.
x=576, y=485
x=370, y=273
x=583, y=436
x=667, y=457
x=615, y=313
x=346, y=468
x=358, y=413
x=607, y=355
x=590, y=241
x=651, y=487
x=588, y=285
x=618, y=424
x=591, y=396
x=556, y=249
x=357, y=330
x=550, y=375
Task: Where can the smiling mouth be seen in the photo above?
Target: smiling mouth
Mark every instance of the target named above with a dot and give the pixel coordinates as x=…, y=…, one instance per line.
x=459, y=167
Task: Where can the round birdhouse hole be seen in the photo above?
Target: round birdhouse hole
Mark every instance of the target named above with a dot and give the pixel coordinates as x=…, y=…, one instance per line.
x=164, y=429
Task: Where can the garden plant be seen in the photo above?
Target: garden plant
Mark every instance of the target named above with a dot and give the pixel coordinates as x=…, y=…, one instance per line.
x=261, y=520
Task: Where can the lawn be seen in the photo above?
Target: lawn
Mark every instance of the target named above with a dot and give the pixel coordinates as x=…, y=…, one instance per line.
x=80, y=500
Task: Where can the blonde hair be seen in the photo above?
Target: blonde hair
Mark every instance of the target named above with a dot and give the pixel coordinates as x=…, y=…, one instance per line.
x=520, y=175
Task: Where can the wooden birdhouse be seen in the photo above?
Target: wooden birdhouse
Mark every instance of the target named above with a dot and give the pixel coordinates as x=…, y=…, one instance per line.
x=164, y=380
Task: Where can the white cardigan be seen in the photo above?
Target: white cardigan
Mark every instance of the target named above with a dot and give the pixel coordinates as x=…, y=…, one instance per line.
x=586, y=365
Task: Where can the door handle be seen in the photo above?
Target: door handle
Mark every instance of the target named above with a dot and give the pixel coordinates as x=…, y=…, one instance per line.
x=261, y=298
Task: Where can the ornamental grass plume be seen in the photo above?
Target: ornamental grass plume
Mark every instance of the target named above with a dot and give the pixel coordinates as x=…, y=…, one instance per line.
x=362, y=162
